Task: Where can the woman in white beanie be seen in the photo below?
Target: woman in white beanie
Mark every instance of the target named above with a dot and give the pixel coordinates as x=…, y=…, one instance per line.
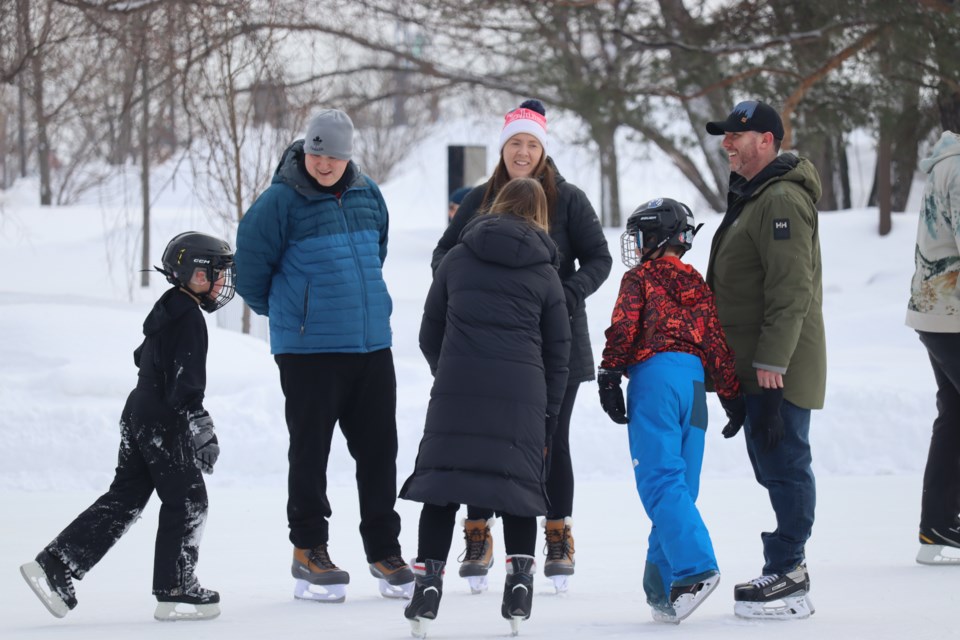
x=585, y=263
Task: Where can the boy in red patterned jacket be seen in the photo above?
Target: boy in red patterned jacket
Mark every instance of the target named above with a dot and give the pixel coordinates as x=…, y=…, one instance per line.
x=664, y=335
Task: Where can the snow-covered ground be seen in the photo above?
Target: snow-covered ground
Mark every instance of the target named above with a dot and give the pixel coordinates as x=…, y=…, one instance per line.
x=70, y=316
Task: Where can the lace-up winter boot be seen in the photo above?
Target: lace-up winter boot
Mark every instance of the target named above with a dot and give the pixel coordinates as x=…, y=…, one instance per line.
x=318, y=578
x=559, y=551
x=477, y=557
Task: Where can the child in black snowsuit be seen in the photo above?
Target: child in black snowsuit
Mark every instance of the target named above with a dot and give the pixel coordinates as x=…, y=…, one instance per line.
x=166, y=440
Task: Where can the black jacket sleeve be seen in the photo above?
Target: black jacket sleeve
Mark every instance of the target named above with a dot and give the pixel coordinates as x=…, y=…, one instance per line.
x=589, y=245
x=468, y=209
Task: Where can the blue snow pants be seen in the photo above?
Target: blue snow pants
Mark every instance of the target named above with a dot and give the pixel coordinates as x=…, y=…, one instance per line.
x=667, y=406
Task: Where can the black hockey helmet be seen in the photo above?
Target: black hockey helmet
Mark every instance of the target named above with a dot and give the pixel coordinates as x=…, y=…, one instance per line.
x=192, y=250
x=654, y=225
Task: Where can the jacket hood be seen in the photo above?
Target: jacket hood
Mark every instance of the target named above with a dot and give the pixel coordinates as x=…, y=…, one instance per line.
x=948, y=145
x=785, y=167
x=292, y=173
x=509, y=240
x=171, y=305
x=681, y=281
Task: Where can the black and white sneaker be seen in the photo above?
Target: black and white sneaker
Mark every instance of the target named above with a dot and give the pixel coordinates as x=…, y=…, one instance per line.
x=939, y=545
x=781, y=595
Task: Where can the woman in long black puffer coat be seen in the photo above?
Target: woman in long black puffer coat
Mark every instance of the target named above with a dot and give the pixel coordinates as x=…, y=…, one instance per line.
x=585, y=263
x=496, y=334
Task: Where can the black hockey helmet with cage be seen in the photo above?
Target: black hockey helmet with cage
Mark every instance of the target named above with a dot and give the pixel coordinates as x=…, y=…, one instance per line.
x=654, y=225
x=192, y=250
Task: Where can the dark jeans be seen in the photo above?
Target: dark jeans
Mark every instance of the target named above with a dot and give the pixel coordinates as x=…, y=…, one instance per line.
x=787, y=475
x=940, y=503
x=156, y=453
x=436, y=532
x=358, y=390
x=559, y=465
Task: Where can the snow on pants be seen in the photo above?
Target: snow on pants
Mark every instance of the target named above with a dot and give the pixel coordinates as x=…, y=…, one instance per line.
x=667, y=406
x=156, y=453
x=358, y=390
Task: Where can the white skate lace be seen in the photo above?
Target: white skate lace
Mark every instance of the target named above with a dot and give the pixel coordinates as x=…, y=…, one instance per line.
x=763, y=581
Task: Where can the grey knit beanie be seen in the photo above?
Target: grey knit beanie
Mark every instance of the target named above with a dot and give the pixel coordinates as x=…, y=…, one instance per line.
x=330, y=133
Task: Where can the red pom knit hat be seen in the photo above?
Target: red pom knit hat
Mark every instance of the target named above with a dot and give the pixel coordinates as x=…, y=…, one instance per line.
x=530, y=117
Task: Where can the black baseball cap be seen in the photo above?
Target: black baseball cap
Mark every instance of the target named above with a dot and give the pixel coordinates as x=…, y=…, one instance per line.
x=749, y=115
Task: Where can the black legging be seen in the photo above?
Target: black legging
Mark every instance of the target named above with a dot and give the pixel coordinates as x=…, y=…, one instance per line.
x=559, y=464
x=436, y=532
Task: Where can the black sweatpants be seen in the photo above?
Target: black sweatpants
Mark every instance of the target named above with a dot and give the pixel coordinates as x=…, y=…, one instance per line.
x=358, y=390
x=940, y=503
x=156, y=453
x=436, y=532
x=559, y=465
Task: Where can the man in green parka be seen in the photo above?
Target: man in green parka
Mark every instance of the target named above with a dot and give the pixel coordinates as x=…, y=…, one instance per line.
x=765, y=273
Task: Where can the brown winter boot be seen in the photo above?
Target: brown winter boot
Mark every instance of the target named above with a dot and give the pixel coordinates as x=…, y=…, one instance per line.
x=559, y=548
x=477, y=558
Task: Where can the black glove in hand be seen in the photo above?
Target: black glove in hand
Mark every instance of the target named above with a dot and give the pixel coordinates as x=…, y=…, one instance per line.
x=205, y=443
x=768, y=428
x=611, y=395
x=736, y=410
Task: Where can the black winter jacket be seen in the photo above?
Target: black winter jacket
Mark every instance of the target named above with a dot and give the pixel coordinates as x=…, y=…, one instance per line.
x=173, y=355
x=496, y=335
x=575, y=228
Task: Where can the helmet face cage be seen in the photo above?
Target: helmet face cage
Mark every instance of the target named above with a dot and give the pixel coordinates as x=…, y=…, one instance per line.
x=654, y=225
x=190, y=251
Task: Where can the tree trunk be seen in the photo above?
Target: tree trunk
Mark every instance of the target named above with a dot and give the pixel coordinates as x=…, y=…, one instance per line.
x=145, y=170
x=43, y=143
x=605, y=137
x=883, y=180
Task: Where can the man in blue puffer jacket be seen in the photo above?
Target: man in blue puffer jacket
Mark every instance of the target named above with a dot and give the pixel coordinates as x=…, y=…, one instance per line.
x=309, y=256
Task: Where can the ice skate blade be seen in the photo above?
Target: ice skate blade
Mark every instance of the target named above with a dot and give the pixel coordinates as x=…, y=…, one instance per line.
x=561, y=583
x=174, y=611
x=37, y=580
x=478, y=584
x=796, y=607
x=662, y=616
x=515, y=625
x=938, y=554
x=688, y=603
x=419, y=627
x=333, y=593
x=400, y=591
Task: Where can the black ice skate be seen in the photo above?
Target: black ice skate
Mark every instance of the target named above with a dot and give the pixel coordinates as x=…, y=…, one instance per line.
x=52, y=581
x=518, y=590
x=318, y=578
x=939, y=545
x=425, y=603
x=396, y=579
x=684, y=598
x=192, y=602
x=778, y=596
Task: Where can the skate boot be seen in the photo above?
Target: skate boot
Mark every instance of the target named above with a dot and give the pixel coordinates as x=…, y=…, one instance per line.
x=940, y=545
x=318, y=579
x=477, y=558
x=559, y=551
x=425, y=603
x=518, y=590
x=687, y=595
x=192, y=602
x=779, y=596
x=396, y=579
x=52, y=581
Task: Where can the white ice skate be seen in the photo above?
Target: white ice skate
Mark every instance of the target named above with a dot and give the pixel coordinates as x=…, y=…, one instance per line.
x=478, y=584
x=938, y=554
x=561, y=584
x=795, y=607
x=333, y=593
x=687, y=598
x=37, y=579
x=419, y=627
x=173, y=611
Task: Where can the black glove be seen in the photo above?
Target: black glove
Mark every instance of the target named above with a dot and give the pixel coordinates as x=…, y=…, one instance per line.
x=611, y=395
x=768, y=427
x=736, y=410
x=205, y=443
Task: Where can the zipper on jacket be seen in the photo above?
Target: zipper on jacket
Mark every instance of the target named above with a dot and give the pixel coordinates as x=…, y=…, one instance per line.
x=356, y=261
x=306, y=308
